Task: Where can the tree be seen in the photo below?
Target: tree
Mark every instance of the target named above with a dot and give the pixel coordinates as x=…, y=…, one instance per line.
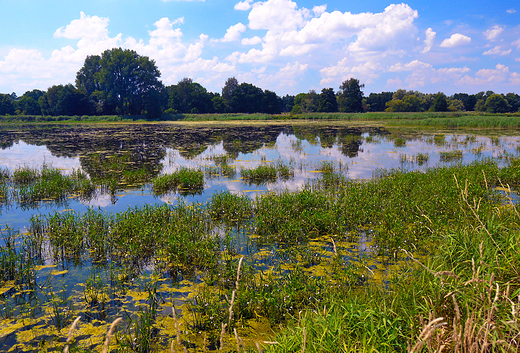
x=271, y=103
x=376, y=102
x=327, y=101
x=287, y=103
x=247, y=98
x=189, y=97
x=514, y=101
x=28, y=106
x=64, y=100
x=350, y=96
x=455, y=105
x=307, y=102
x=496, y=103
x=227, y=91
x=120, y=81
x=440, y=104
x=6, y=105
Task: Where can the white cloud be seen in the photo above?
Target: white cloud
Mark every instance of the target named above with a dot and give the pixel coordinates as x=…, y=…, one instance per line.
x=277, y=15
x=411, y=66
x=243, y=5
x=428, y=42
x=493, y=32
x=517, y=44
x=455, y=40
x=85, y=27
x=346, y=69
x=497, y=51
x=511, y=11
x=319, y=10
x=488, y=77
x=252, y=41
x=234, y=33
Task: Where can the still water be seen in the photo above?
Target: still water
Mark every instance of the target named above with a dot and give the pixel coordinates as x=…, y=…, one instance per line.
x=155, y=149
x=358, y=153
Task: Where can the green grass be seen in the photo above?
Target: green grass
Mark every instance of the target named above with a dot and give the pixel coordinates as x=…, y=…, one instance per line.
x=476, y=120
x=184, y=180
x=442, y=243
x=268, y=173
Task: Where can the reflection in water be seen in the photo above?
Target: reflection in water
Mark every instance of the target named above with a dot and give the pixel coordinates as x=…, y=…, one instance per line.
x=128, y=156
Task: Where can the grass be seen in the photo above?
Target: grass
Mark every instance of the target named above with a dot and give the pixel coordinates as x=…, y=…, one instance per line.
x=268, y=173
x=185, y=180
x=440, y=268
x=423, y=119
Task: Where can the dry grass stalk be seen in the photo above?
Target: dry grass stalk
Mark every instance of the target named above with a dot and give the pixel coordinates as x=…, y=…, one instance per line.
x=222, y=333
x=304, y=339
x=179, y=342
x=427, y=333
x=110, y=332
x=334, y=246
x=258, y=347
x=69, y=336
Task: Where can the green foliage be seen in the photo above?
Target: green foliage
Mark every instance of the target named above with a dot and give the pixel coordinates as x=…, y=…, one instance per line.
x=350, y=97
x=327, y=102
x=120, y=81
x=440, y=104
x=6, y=105
x=496, y=103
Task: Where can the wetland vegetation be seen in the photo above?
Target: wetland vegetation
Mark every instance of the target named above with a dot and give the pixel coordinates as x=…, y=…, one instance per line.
x=325, y=255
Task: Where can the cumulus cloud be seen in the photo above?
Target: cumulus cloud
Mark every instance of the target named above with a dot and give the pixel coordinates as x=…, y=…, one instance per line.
x=428, y=42
x=511, y=11
x=455, y=40
x=411, y=66
x=517, y=44
x=488, y=77
x=252, y=41
x=243, y=5
x=493, y=32
x=497, y=51
x=234, y=33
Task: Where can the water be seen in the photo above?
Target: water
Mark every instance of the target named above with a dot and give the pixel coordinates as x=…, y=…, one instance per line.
x=357, y=153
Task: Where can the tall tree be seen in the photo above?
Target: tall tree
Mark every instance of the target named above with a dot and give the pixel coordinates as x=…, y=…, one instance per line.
x=327, y=101
x=247, y=98
x=440, y=104
x=272, y=104
x=189, y=97
x=227, y=91
x=122, y=81
x=350, y=96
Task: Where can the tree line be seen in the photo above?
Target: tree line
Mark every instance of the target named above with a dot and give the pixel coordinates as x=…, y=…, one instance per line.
x=121, y=82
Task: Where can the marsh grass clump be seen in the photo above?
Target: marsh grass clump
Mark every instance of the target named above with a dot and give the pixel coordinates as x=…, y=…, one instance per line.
x=25, y=175
x=421, y=158
x=186, y=179
x=260, y=174
x=231, y=208
x=5, y=174
x=449, y=156
x=399, y=142
x=52, y=184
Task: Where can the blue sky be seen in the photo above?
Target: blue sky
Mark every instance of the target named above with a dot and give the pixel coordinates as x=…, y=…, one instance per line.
x=282, y=45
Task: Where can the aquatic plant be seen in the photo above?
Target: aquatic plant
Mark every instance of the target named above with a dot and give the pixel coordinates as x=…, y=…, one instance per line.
x=186, y=179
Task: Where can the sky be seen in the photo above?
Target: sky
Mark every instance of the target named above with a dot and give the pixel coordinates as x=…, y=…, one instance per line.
x=285, y=46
